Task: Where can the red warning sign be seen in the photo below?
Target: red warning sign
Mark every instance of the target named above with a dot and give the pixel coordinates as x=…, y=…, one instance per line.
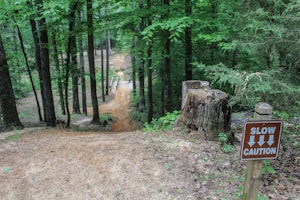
x=261, y=140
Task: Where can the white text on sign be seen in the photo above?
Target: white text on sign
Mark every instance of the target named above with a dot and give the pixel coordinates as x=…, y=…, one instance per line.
x=261, y=140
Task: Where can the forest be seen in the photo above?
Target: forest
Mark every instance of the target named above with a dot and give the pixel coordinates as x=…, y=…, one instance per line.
x=249, y=49
x=61, y=59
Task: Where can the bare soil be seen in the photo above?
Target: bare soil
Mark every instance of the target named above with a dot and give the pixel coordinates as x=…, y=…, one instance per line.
x=61, y=164
x=43, y=163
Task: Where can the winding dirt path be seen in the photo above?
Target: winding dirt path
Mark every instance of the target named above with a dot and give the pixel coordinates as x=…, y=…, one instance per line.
x=119, y=109
x=119, y=106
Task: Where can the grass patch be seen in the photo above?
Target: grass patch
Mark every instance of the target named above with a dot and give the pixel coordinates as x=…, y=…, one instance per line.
x=13, y=137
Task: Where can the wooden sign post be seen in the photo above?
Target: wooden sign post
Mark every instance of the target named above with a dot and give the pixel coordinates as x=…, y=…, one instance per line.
x=260, y=141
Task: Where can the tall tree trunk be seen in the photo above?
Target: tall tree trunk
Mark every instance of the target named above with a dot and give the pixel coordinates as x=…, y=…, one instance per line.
x=133, y=63
x=16, y=48
x=149, y=68
x=73, y=63
x=141, y=86
x=75, y=91
x=150, y=87
x=92, y=61
x=82, y=70
x=49, y=105
x=7, y=97
x=58, y=72
x=67, y=74
x=213, y=47
x=108, y=32
x=188, y=43
x=162, y=92
x=70, y=57
x=167, y=74
x=38, y=62
x=102, y=65
x=107, y=50
x=102, y=72
x=167, y=64
x=107, y=65
x=29, y=73
x=141, y=70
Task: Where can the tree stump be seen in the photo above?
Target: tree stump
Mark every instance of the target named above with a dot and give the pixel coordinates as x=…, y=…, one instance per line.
x=204, y=109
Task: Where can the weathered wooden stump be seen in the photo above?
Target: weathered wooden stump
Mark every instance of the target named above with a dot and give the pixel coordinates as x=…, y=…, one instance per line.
x=204, y=109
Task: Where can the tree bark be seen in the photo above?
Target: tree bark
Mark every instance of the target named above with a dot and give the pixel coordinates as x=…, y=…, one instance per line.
x=107, y=65
x=188, y=43
x=49, y=105
x=204, y=109
x=141, y=70
x=7, y=97
x=133, y=63
x=102, y=72
x=58, y=71
x=167, y=65
x=92, y=61
x=38, y=62
x=82, y=70
x=29, y=73
x=149, y=68
x=107, y=50
x=17, y=58
x=73, y=51
x=108, y=32
x=102, y=65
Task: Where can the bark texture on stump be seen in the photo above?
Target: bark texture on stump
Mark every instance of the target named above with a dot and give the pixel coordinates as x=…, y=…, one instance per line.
x=204, y=109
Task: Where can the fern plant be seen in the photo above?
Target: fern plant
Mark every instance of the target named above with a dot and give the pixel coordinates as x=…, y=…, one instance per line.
x=247, y=87
x=163, y=123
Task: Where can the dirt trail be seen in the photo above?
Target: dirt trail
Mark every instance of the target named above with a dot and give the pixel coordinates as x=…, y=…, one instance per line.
x=119, y=106
x=66, y=165
x=119, y=109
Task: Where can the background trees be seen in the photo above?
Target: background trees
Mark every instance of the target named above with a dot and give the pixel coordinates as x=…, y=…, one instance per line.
x=246, y=48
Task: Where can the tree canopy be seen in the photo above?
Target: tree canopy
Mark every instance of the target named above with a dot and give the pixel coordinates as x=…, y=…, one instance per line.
x=250, y=49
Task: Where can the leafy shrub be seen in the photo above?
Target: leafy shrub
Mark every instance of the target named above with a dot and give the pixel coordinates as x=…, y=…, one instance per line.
x=226, y=147
x=163, y=123
x=138, y=118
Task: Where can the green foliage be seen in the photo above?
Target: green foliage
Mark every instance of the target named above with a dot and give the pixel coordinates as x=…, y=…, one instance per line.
x=281, y=115
x=175, y=25
x=138, y=117
x=290, y=136
x=225, y=146
x=248, y=87
x=13, y=137
x=262, y=197
x=163, y=123
x=21, y=88
x=222, y=138
x=105, y=118
x=267, y=168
